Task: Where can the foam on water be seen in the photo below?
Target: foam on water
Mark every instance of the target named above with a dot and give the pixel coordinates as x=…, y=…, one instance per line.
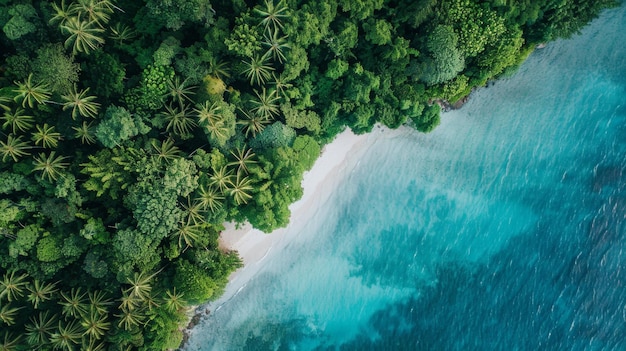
x=501, y=230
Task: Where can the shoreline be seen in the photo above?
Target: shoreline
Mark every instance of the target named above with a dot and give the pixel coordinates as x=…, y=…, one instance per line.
x=337, y=159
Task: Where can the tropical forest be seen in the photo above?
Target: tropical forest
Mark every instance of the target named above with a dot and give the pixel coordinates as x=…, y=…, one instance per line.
x=132, y=131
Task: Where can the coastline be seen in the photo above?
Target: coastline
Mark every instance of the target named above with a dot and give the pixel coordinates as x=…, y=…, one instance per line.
x=337, y=159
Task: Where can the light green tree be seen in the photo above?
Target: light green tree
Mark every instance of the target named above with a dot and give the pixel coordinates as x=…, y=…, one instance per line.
x=14, y=148
x=80, y=103
x=50, y=166
x=31, y=93
x=46, y=136
x=17, y=121
x=83, y=36
x=12, y=285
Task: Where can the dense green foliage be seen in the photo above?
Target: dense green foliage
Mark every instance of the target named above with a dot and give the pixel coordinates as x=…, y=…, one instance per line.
x=131, y=131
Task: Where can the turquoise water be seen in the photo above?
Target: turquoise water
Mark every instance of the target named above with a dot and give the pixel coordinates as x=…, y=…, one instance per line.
x=504, y=229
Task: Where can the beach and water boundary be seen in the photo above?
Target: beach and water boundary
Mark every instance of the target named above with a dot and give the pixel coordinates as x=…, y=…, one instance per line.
x=545, y=162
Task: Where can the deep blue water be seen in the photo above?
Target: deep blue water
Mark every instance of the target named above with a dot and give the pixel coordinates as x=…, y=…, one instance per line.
x=504, y=229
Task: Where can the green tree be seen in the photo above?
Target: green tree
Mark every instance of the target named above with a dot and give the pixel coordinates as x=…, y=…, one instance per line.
x=210, y=198
x=80, y=103
x=257, y=70
x=18, y=121
x=40, y=328
x=275, y=45
x=83, y=36
x=176, y=14
x=55, y=68
x=8, y=314
x=243, y=159
x=39, y=292
x=86, y=132
x=174, y=301
x=265, y=104
x=31, y=93
x=272, y=14
x=180, y=91
x=10, y=342
x=378, y=32
x=67, y=335
x=14, y=148
x=50, y=165
x=445, y=60
x=179, y=120
x=166, y=151
x=12, y=285
x=74, y=304
x=21, y=21
x=252, y=123
x=46, y=136
x=118, y=125
x=241, y=189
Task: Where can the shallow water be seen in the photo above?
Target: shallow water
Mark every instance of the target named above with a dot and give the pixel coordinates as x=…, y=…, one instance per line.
x=503, y=229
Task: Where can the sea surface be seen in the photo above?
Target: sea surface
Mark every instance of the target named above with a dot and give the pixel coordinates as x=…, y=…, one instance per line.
x=504, y=229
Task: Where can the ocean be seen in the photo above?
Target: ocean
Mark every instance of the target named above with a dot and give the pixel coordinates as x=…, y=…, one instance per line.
x=504, y=229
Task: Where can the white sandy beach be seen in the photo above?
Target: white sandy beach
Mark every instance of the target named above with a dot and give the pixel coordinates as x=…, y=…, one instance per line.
x=336, y=161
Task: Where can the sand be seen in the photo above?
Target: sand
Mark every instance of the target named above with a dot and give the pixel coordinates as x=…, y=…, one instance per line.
x=318, y=184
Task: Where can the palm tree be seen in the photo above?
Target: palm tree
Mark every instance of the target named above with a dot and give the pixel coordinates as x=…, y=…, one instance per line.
x=98, y=302
x=179, y=91
x=193, y=210
x=122, y=33
x=140, y=285
x=150, y=302
x=275, y=45
x=206, y=113
x=280, y=85
x=8, y=314
x=4, y=100
x=243, y=159
x=128, y=302
x=210, y=198
x=86, y=133
x=31, y=93
x=174, y=301
x=252, y=123
x=40, y=328
x=240, y=189
x=218, y=69
x=80, y=103
x=220, y=178
x=12, y=286
x=130, y=319
x=9, y=342
x=62, y=13
x=50, y=166
x=95, y=325
x=178, y=120
x=187, y=233
x=98, y=11
x=266, y=104
x=73, y=304
x=46, y=136
x=92, y=345
x=213, y=122
x=272, y=14
x=166, y=151
x=66, y=336
x=84, y=36
x=40, y=292
x=14, y=148
x=17, y=120
x=257, y=70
